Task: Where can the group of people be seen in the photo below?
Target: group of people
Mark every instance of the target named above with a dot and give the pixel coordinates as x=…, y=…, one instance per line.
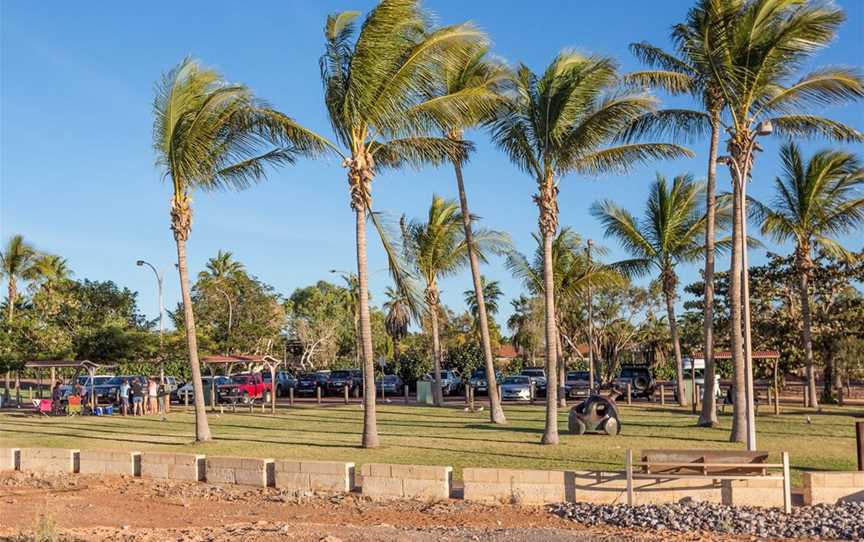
x=144, y=397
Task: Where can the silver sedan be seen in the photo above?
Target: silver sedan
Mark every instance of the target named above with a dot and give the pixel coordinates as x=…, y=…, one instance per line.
x=516, y=388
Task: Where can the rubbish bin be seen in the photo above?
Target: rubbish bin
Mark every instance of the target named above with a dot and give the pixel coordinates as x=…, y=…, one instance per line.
x=424, y=393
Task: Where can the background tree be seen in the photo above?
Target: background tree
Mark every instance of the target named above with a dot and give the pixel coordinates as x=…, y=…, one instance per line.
x=208, y=135
x=397, y=319
x=491, y=295
x=16, y=261
x=568, y=120
x=438, y=248
x=377, y=93
x=814, y=203
x=670, y=234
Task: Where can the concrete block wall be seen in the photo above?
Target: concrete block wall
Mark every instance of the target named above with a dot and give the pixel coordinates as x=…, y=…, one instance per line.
x=9, y=458
x=383, y=481
x=833, y=487
x=239, y=470
x=516, y=486
x=109, y=462
x=323, y=476
x=755, y=492
x=50, y=460
x=163, y=465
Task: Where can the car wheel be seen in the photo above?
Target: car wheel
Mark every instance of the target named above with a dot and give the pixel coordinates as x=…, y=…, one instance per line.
x=611, y=427
x=245, y=398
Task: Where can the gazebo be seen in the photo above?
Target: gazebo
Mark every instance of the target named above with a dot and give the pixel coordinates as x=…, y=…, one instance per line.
x=78, y=365
x=249, y=364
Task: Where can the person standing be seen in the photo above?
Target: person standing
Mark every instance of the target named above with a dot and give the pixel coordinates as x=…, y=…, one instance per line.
x=152, y=395
x=138, y=393
x=124, y=396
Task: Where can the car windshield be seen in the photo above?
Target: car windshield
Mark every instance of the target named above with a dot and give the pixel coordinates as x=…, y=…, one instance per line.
x=391, y=378
x=577, y=375
x=517, y=380
x=533, y=372
x=479, y=373
x=115, y=381
x=242, y=379
x=340, y=374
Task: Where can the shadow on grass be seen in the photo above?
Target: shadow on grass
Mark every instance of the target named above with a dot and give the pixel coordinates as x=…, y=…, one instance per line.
x=94, y=437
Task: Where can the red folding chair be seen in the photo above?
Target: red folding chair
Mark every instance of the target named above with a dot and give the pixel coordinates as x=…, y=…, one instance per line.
x=45, y=407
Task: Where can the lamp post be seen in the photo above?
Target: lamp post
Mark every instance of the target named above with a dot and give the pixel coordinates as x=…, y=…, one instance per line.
x=590, y=325
x=159, y=279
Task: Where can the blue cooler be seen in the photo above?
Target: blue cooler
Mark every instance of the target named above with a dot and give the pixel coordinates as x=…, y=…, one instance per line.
x=99, y=411
x=109, y=410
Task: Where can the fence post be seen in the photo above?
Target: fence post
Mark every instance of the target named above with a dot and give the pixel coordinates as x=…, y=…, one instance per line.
x=859, y=440
x=662, y=394
x=787, y=492
x=805, y=389
x=840, y=395
x=628, y=466
x=186, y=400
x=345, y=389
x=318, y=394
x=531, y=387
x=629, y=391
x=290, y=396
x=471, y=389
x=406, y=394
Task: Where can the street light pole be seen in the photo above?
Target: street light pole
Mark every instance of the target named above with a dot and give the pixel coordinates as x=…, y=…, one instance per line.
x=159, y=280
x=590, y=325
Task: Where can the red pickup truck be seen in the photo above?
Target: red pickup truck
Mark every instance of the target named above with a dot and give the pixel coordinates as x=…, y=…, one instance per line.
x=244, y=387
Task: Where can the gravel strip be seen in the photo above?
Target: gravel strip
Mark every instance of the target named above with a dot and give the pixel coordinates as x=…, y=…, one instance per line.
x=838, y=522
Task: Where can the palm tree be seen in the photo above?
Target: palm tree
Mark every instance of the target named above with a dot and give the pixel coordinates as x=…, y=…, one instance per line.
x=377, y=93
x=761, y=45
x=669, y=234
x=438, y=248
x=208, y=135
x=573, y=274
x=490, y=293
x=48, y=270
x=482, y=81
x=222, y=267
x=569, y=119
x=690, y=71
x=814, y=202
x=16, y=263
x=397, y=318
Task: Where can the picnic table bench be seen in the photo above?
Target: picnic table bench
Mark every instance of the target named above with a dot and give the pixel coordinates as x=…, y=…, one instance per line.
x=707, y=464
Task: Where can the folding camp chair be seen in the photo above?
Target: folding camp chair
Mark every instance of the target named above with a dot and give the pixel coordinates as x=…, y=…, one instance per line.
x=45, y=407
x=74, y=405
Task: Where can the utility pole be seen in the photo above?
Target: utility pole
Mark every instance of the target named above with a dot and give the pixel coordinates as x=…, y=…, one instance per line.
x=590, y=325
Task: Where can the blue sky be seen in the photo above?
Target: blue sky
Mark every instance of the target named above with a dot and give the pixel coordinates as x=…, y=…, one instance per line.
x=77, y=174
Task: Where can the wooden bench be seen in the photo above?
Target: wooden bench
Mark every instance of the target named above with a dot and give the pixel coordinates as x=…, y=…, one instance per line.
x=708, y=465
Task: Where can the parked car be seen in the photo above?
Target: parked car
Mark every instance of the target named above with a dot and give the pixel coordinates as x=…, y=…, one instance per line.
x=576, y=384
x=185, y=391
x=538, y=378
x=478, y=380
x=392, y=385
x=109, y=390
x=308, y=383
x=451, y=383
x=640, y=379
x=98, y=380
x=244, y=387
x=284, y=382
x=353, y=378
x=516, y=388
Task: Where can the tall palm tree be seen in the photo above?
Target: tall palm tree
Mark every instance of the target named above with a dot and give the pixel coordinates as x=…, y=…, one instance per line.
x=377, y=93
x=208, y=135
x=689, y=71
x=762, y=44
x=397, y=317
x=438, y=248
x=570, y=119
x=814, y=202
x=16, y=262
x=490, y=293
x=482, y=80
x=519, y=324
x=669, y=234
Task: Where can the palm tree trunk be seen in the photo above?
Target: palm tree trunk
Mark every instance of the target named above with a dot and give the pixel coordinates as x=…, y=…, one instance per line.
x=202, y=428
x=806, y=337
x=562, y=371
x=496, y=412
x=829, y=385
x=739, y=411
x=12, y=292
x=676, y=346
x=437, y=395
x=708, y=416
x=370, y=423
x=550, y=433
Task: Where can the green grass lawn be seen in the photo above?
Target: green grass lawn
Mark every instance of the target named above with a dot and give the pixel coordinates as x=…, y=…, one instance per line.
x=446, y=436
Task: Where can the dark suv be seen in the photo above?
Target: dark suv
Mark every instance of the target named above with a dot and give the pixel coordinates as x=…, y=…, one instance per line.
x=640, y=379
x=307, y=383
x=352, y=378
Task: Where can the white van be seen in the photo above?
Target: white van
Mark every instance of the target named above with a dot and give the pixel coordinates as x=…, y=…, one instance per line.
x=697, y=365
